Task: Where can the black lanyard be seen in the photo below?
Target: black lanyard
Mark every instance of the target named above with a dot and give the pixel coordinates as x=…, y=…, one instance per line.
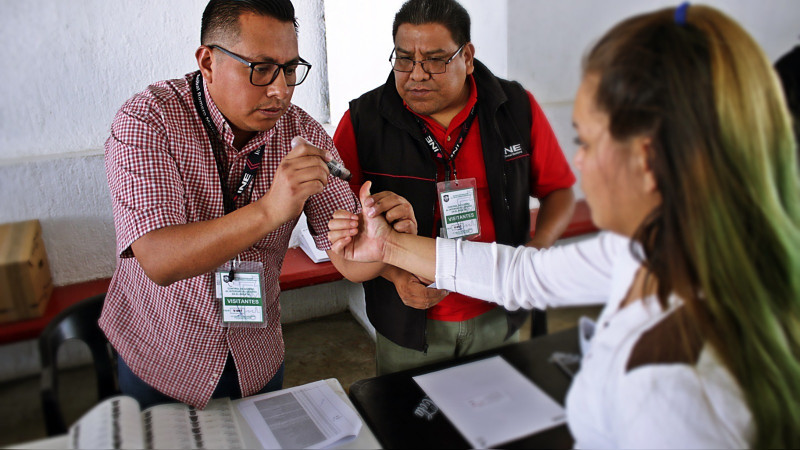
x=438, y=151
x=253, y=159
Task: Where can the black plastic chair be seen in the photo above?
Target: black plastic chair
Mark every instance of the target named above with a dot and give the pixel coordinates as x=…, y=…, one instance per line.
x=78, y=321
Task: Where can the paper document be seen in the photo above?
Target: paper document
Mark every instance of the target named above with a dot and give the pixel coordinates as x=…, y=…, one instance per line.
x=118, y=423
x=490, y=403
x=308, y=416
x=307, y=244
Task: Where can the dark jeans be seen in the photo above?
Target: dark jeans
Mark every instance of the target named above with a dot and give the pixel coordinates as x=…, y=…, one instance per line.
x=228, y=386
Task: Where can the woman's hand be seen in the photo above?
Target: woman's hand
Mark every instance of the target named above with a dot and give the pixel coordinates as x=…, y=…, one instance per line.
x=359, y=237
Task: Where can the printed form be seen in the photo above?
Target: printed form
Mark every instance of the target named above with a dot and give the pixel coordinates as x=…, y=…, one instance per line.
x=307, y=416
x=491, y=403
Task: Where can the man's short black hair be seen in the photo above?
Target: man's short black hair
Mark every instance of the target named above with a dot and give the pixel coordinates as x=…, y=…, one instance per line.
x=448, y=13
x=221, y=17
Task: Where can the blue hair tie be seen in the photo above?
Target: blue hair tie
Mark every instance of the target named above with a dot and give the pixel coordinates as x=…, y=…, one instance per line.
x=680, y=13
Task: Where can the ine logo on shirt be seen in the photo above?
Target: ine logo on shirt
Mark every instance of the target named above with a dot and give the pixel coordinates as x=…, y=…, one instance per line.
x=514, y=150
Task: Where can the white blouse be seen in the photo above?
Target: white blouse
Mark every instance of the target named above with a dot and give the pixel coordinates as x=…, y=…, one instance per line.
x=667, y=405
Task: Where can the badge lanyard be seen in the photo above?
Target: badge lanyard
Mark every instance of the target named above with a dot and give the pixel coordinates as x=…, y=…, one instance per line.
x=458, y=200
x=439, y=152
x=241, y=294
x=253, y=159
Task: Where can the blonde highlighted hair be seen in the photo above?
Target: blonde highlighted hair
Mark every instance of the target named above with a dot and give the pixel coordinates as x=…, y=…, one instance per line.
x=726, y=238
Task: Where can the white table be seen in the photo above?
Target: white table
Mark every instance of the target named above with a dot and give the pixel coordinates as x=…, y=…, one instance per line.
x=365, y=439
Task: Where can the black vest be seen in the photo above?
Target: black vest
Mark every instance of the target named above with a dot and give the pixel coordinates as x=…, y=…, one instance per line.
x=395, y=157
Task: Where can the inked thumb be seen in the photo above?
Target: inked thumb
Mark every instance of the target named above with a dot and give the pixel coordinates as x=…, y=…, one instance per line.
x=365, y=191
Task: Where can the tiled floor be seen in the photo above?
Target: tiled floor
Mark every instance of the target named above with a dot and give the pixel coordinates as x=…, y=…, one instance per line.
x=335, y=346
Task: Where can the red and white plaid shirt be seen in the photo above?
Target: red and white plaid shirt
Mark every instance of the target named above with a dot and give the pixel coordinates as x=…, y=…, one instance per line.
x=162, y=172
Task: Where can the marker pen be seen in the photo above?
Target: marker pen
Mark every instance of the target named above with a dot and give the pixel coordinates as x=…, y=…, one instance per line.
x=338, y=170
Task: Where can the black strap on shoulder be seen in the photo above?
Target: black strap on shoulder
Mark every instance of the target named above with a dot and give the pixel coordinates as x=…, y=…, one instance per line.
x=253, y=159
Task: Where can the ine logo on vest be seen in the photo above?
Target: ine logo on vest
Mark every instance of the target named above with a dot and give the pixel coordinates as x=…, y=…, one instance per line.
x=514, y=150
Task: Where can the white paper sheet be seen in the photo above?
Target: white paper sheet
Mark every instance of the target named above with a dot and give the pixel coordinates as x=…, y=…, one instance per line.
x=308, y=416
x=307, y=244
x=490, y=403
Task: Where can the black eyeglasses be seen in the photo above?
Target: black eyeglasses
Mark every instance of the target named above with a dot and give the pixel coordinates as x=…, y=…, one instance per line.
x=430, y=66
x=264, y=73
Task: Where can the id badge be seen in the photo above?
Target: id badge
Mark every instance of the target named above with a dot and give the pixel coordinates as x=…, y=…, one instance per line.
x=240, y=292
x=458, y=205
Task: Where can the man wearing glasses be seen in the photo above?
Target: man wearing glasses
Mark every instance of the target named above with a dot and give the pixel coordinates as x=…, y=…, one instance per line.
x=467, y=150
x=207, y=184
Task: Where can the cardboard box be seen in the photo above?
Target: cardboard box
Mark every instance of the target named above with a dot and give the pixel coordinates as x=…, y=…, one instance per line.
x=25, y=280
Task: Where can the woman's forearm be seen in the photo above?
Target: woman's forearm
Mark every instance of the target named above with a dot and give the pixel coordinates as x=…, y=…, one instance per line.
x=416, y=254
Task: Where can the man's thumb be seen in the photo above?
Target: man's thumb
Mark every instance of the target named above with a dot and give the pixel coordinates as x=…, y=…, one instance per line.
x=297, y=140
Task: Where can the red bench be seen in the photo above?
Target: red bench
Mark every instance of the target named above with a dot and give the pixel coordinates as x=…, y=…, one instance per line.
x=297, y=271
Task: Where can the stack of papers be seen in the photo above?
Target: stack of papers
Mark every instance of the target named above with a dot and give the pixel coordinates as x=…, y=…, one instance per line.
x=118, y=422
x=307, y=242
x=491, y=403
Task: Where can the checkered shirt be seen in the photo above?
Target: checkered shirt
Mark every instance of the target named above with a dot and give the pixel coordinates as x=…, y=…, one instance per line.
x=162, y=172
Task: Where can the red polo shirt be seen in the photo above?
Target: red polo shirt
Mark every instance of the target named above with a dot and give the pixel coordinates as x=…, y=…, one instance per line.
x=549, y=171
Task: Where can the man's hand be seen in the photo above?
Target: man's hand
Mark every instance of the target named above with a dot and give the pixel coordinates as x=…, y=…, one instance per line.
x=555, y=212
x=301, y=174
x=397, y=210
x=414, y=292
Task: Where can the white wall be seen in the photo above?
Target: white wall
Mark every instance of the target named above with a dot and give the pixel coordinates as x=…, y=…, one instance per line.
x=547, y=40
x=69, y=65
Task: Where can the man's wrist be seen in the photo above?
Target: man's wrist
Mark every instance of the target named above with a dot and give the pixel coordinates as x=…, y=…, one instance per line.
x=269, y=221
x=388, y=272
x=538, y=242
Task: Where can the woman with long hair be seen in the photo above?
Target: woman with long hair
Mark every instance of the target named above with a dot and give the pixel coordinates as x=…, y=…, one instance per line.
x=688, y=163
